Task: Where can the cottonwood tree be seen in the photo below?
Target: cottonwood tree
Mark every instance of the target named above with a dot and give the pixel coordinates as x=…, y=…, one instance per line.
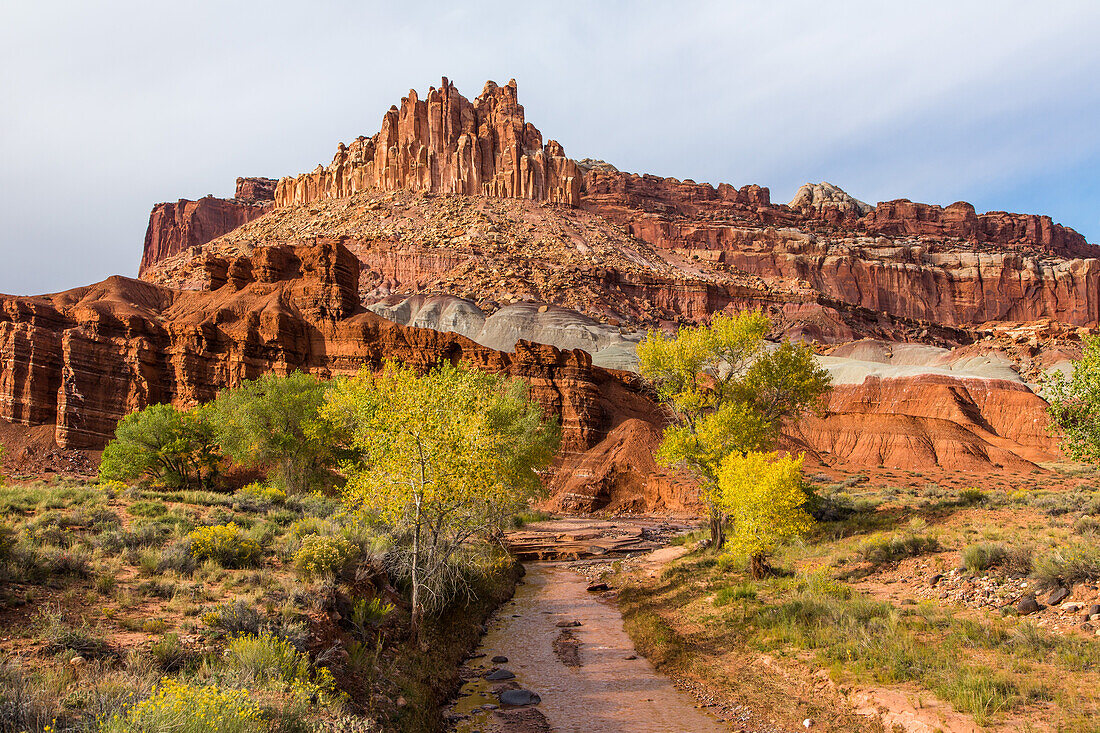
x=444, y=460
x=764, y=496
x=273, y=422
x=163, y=445
x=1075, y=405
x=728, y=394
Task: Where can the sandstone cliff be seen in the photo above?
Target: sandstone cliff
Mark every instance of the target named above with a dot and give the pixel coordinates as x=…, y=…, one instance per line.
x=446, y=144
x=176, y=227
x=82, y=359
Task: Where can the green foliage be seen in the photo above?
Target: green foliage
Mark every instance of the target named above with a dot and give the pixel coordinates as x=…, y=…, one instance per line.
x=883, y=549
x=367, y=616
x=323, y=555
x=162, y=445
x=234, y=618
x=764, y=496
x=263, y=658
x=443, y=459
x=725, y=596
x=982, y=556
x=59, y=636
x=168, y=653
x=7, y=543
x=1075, y=404
x=729, y=394
x=273, y=423
x=182, y=707
x=225, y=544
x=1068, y=566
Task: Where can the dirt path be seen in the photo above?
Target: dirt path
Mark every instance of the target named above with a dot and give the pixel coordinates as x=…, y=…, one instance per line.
x=588, y=677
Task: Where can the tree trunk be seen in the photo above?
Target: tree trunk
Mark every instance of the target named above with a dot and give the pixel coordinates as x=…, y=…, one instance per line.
x=414, y=621
x=717, y=530
x=759, y=567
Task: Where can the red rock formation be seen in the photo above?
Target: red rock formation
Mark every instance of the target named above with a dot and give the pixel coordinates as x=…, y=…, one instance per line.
x=255, y=189
x=949, y=266
x=175, y=227
x=446, y=144
x=920, y=422
x=1028, y=231
x=82, y=359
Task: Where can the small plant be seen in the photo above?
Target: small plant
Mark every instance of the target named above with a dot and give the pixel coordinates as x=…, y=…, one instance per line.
x=147, y=508
x=985, y=555
x=169, y=654
x=187, y=708
x=265, y=658
x=745, y=591
x=262, y=495
x=226, y=544
x=323, y=555
x=60, y=636
x=369, y=616
x=7, y=543
x=1068, y=566
x=1087, y=525
x=234, y=618
x=883, y=550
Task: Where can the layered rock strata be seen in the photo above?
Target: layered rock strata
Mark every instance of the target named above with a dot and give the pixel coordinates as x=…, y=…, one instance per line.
x=82, y=359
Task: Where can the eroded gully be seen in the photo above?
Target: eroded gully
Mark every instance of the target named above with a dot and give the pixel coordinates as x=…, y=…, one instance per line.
x=589, y=677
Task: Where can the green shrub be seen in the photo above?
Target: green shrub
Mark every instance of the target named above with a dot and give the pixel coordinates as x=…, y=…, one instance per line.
x=257, y=497
x=745, y=591
x=181, y=707
x=234, y=618
x=147, y=508
x=369, y=616
x=265, y=658
x=1087, y=525
x=169, y=654
x=985, y=555
x=225, y=544
x=177, y=556
x=883, y=550
x=1067, y=566
x=7, y=543
x=24, y=706
x=60, y=636
x=323, y=555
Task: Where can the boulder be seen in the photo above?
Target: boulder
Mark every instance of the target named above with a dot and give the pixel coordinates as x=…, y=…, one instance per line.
x=516, y=698
x=1028, y=605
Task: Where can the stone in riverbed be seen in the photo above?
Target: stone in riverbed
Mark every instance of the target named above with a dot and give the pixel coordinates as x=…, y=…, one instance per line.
x=500, y=660
x=568, y=624
x=519, y=697
x=499, y=674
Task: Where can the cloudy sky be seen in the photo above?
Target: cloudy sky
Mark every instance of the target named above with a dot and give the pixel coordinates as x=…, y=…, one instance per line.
x=110, y=107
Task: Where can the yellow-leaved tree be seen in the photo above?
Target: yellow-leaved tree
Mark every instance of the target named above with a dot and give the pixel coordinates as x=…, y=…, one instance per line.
x=764, y=496
x=444, y=460
x=728, y=394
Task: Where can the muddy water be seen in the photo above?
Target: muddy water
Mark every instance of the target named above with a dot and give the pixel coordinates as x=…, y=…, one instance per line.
x=606, y=692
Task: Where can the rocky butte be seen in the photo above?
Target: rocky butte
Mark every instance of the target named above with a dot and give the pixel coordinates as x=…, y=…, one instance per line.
x=455, y=232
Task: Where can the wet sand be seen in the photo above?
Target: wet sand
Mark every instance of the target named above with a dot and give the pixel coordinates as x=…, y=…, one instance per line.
x=583, y=674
